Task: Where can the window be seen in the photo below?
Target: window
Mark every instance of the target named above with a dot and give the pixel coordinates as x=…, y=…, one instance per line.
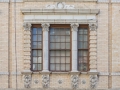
x=83, y=48
x=36, y=48
x=60, y=48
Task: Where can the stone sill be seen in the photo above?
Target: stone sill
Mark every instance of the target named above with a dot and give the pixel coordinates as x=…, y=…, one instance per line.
x=60, y=0
x=59, y=11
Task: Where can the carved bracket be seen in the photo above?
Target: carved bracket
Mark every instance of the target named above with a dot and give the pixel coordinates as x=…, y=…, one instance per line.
x=93, y=26
x=60, y=5
x=74, y=81
x=93, y=81
x=27, y=26
x=45, y=81
x=27, y=81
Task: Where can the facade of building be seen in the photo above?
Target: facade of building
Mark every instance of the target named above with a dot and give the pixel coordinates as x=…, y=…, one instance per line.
x=60, y=44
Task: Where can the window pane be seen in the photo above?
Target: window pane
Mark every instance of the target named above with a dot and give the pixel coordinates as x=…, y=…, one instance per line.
x=57, y=59
x=85, y=31
x=39, y=59
x=52, y=66
x=85, y=37
x=85, y=53
x=62, y=59
x=62, y=45
x=80, y=37
x=34, y=59
x=52, y=53
x=52, y=38
x=67, y=38
x=57, y=31
x=52, y=45
x=80, y=45
x=52, y=32
x=62, y=38
x=57, y=53
x=39, y=53
x=84, y=67
x=34, y=31
x=57, y=38
x=63, y=67
x=34, y=44
x=67, y=45
x=34, y=52
x=81, y=31
x=62, y=53
x=67, y=31
x=34, y=38
x=57, y=66
x=67, y=59
x=39, y=66
x=67, y=67
x=34, y=66
x=39, y=45
x=52, y=59
x=39, y=30
x=39, y=37
x=67, y=53
x=63, y=31
x=57, y=45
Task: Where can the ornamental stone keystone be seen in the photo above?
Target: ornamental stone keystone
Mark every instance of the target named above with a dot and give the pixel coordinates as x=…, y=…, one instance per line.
x=27, y=26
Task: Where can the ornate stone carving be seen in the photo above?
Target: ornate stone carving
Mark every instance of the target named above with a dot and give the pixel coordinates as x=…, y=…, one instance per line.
x=27, y=26
x=45, y=26
x=74, y=26
x=74, y=81
x=45, y=81
x=60, y=5
x=93, y=81
x=93, y=26
x=27, y=81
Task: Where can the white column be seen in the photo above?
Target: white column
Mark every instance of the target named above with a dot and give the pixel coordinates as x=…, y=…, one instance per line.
x=74, y=29
x=45, y=29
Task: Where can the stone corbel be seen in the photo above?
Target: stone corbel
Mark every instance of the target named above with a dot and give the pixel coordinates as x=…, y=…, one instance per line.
x=27, y=26
x=27, y=79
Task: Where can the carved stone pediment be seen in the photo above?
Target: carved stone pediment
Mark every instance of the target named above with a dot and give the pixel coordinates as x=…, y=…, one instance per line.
x=60, y=5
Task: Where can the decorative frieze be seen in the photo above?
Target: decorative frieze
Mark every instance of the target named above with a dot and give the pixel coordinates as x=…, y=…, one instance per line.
x=74, y=81
x=45, y=81
x=93, y=81
x=27, y=81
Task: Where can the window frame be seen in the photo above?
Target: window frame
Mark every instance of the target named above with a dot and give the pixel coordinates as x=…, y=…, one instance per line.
x=61, y=26
x=31, y=56
x=88, y=42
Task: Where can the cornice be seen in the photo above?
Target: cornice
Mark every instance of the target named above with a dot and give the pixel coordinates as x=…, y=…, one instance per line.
x=59, y=11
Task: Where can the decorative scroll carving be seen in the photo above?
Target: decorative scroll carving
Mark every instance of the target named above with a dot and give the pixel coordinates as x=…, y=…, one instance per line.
x=45, y=81
x=27, y=26
x=45, y=26
x=74, y=81
x=93, y=81
x=27, y=81
x=93, y=26
x=74, y=26
x=60, y=5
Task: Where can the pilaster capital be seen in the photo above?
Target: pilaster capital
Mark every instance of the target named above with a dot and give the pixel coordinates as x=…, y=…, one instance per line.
x=27, y=26
x=74, y=26
x=93, y=26
x=45, y=26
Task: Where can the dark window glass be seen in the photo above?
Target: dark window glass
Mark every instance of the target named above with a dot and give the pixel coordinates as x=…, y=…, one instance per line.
x=83, y=49
x=59, y=49
x=36, y=47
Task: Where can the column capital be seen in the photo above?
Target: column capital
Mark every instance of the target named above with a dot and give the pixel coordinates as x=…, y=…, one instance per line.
x=45, y=26
x=93, y=26
x=74, y=26
x=27, y=26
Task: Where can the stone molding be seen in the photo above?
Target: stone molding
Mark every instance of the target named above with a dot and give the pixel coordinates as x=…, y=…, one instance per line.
x=60, y=5
x=59, y=11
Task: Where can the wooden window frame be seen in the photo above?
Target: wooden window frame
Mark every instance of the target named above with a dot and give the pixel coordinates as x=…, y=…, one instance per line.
x=60, y=26
x=87, y=27
x=36, y=26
